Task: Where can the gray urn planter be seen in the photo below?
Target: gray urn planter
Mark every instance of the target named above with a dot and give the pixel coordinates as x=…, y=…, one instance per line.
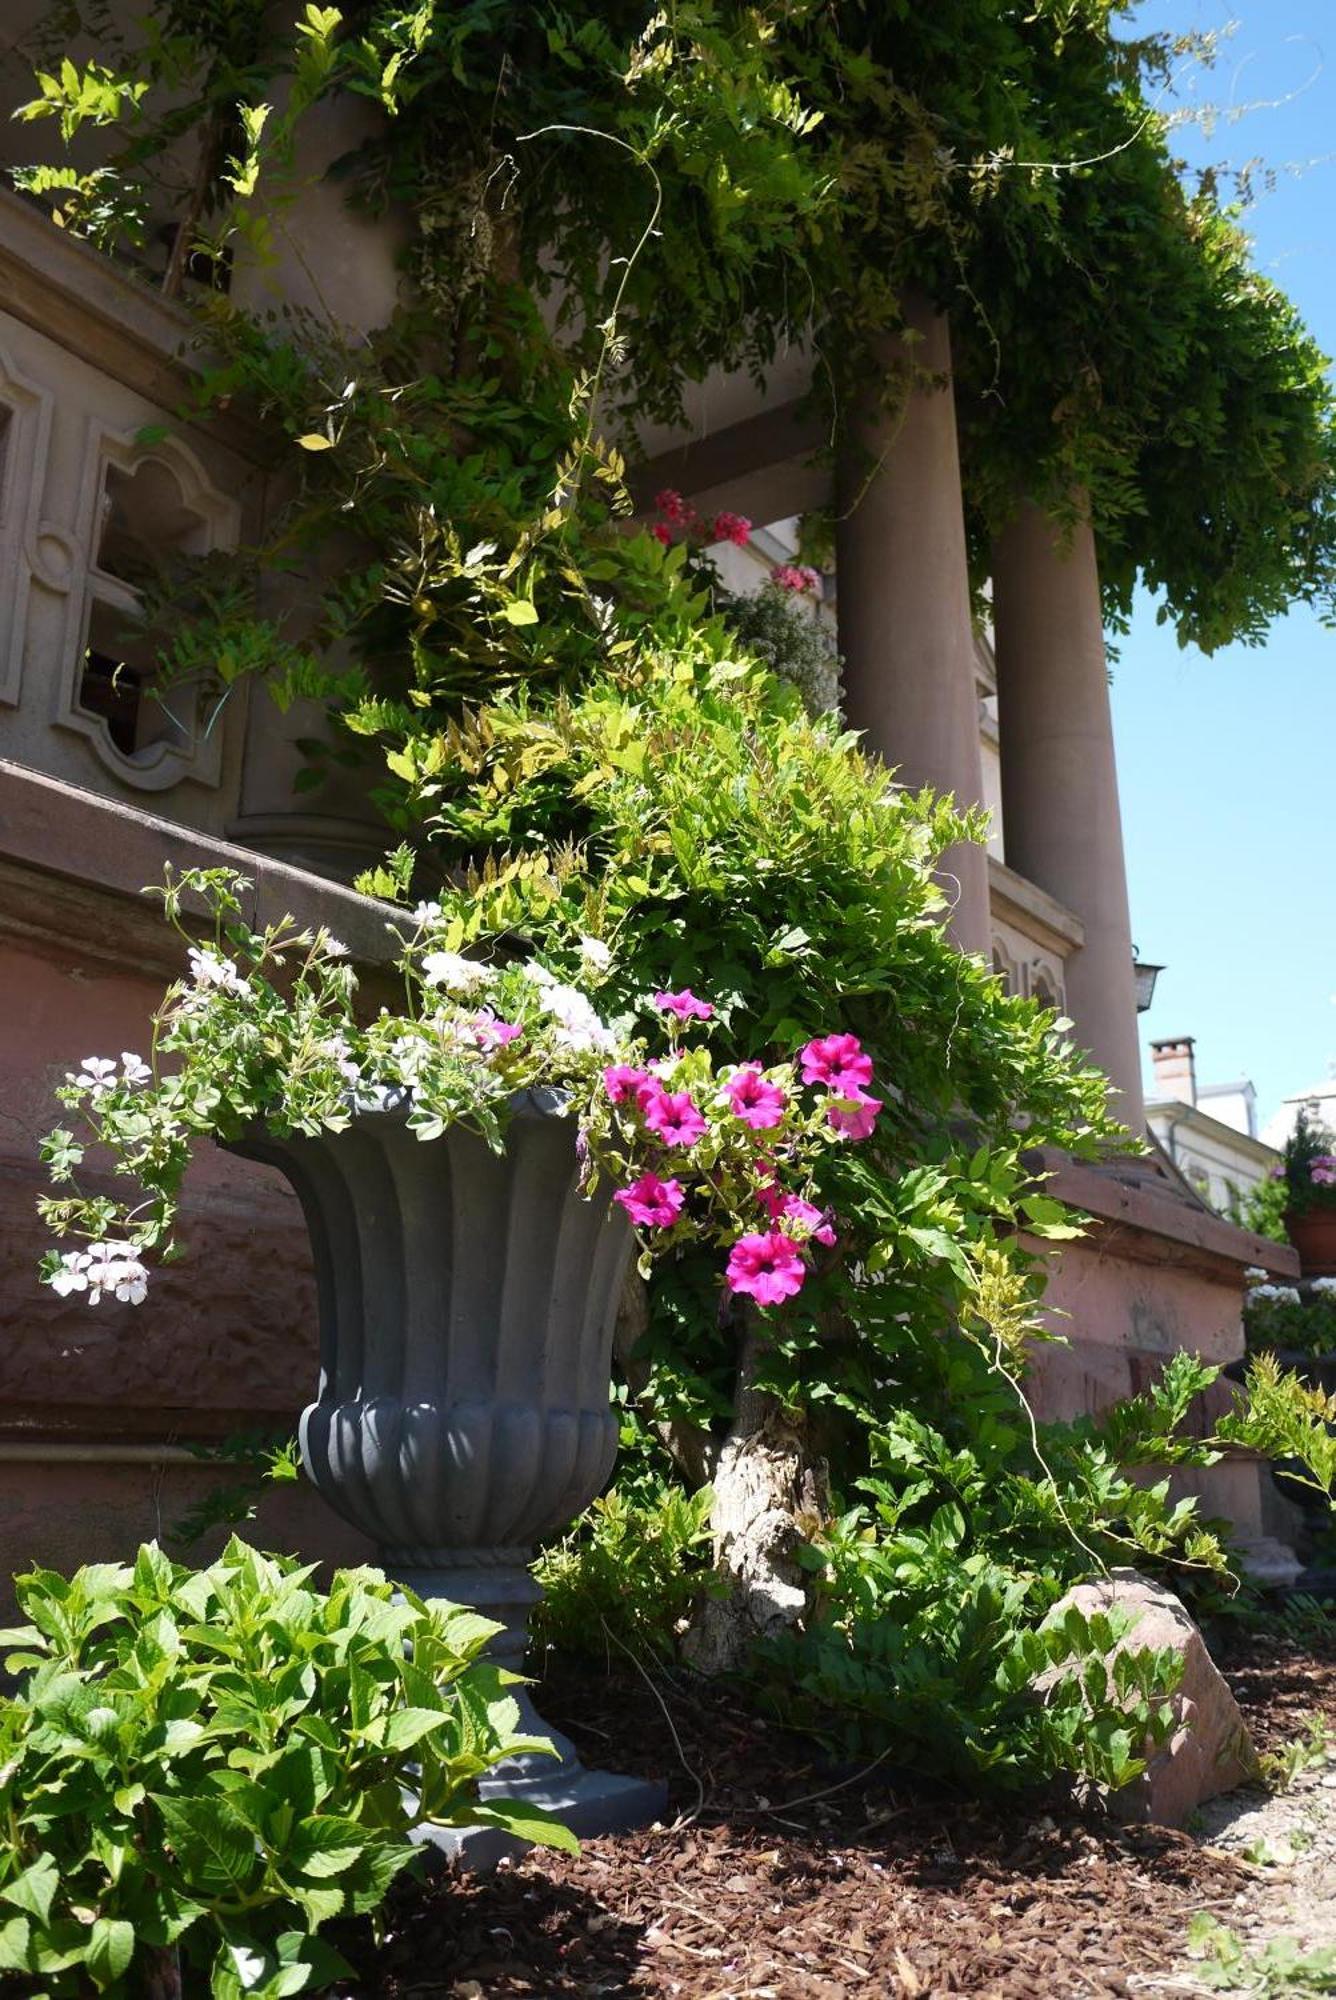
x=467, y=1301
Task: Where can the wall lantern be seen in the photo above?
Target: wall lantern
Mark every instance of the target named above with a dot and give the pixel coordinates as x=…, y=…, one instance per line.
x=1145, y=977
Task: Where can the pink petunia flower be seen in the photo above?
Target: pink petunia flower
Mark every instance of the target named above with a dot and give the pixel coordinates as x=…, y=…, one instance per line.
x=622, y=1080
x=686, y=1006
x=756, y=1102
x=652, y=1203
x=769, y=1267
x=672, y=1116
x=735, y=528
x=771, y=1200
x=838, y=1062
x=856, y=1118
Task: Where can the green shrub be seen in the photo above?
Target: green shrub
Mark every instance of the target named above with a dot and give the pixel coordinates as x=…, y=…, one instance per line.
x=227, y=1759
x=777, y=626
x=630, y=1571
x=1286, y=1316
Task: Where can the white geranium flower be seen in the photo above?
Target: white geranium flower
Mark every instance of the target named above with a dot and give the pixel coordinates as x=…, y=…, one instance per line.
x=1324, y=1284
x=116, y=1268
x=72, y=1275
x=595, y=953
x=427, y=913
x=134, y=1069
x=339, y=1051
x=207, y=969
x=97, y=1075
x=454, y=972
x=1283, y=1294
x=579, y=1028
x=1254, y=1275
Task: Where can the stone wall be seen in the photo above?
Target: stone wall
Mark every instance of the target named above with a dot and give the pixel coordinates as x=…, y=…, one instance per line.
x=99, y=1405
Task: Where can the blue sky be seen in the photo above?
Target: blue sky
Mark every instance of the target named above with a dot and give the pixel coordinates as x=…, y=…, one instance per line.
x=1227, y=765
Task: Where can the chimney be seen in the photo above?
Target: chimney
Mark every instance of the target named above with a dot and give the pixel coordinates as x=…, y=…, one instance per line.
x=1175, y=1065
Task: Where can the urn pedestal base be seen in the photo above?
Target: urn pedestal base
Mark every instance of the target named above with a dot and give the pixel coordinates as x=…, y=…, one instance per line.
x=590, y=1803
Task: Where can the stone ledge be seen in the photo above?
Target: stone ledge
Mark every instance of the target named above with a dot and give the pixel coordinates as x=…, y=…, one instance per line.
x=73, y=865
x=1014, y=899
x=1148, y=1222
x=96, y=309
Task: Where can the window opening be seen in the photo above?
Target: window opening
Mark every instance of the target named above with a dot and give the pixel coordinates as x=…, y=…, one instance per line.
x=145, y=523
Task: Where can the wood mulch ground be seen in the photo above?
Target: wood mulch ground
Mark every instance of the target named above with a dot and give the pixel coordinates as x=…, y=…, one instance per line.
x=771, y=1885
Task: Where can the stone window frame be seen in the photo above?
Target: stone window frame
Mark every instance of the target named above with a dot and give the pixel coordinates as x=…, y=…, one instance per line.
x=164, y=764
x=1036, y=977
x=28, y=546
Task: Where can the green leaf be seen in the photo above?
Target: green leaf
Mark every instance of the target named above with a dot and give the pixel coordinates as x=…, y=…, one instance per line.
x=215, y=1848
x=525, y=1821
x=520, y=612
x=34, y=1888
x=409, y=1725
x=15, y=1945
x=111, y=1945
x=322, y=1846
x=313, y=441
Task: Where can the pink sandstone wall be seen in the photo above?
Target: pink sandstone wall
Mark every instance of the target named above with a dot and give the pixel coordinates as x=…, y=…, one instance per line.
x=226, y=1340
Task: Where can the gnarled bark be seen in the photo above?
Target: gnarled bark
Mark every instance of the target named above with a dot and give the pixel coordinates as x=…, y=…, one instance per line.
x=771, y=1492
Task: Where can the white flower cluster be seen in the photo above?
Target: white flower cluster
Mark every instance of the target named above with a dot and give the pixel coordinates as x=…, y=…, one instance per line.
x=1283, y=1294
x=454, y=972
x=595, y=953
x=98, y=1073
x=208, y=969
x=339, y=1052
x=104, y=1267
x=1323, y=1285
x=579, y=1028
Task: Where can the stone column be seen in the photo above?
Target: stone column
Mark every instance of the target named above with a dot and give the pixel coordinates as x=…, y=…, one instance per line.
x=904, y=607
x=1059, y=781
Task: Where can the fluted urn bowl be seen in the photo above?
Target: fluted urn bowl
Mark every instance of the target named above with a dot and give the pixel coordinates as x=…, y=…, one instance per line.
x=467, y=1301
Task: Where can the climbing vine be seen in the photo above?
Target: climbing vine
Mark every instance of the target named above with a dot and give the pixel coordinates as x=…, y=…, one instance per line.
x=600, y=203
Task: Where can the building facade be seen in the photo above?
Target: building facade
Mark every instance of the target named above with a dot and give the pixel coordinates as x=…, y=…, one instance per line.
x=102, y=1415
x=1207, y=1132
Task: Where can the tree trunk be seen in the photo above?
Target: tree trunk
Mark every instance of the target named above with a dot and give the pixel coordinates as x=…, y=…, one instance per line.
x=770, y=1494
x=158, y=1974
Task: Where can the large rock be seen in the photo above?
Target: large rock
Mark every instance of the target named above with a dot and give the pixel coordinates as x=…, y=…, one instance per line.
x=1209, y=1750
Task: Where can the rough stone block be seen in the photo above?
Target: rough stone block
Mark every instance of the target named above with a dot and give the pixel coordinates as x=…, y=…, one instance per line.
x=1209, y=1750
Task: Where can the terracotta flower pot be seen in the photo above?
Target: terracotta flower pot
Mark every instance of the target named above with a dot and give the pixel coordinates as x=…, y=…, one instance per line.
x=467, y=1301
x=1313, y=1235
